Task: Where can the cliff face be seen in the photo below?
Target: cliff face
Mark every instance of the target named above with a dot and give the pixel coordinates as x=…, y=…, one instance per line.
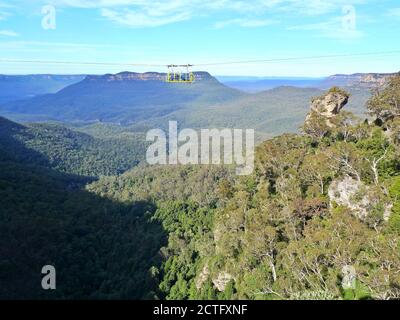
x=128, y=76
x=329, y=104
x=147, y=76
x=358, y=197
x=324, y=109
x=358, y=79
x=376, y=78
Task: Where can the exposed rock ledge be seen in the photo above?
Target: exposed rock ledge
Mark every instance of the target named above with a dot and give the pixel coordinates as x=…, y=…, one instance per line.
x=330, y=104
x=356, y=196
x=202, y=278
x=219, y=282
x=222, y=280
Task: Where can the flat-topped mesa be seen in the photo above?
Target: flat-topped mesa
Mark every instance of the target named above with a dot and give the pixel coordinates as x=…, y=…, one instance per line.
x=369, y=80
x=329, y=104
x=376, y=78
x=147, y=76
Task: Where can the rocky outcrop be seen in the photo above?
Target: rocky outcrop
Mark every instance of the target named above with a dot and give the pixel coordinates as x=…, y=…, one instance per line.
x=323, y=109
x=147, y=76
x=128, y=76
x=358, y=197
x=330, y=104
x=222, y=280
x=203, y=276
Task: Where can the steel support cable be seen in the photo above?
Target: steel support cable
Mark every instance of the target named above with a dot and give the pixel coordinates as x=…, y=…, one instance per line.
x=384, y=53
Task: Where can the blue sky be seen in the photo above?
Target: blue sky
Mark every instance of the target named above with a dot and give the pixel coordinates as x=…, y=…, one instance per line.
x=201, y=31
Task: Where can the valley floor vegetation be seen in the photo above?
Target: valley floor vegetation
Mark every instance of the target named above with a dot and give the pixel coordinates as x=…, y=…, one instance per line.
x=317, y=204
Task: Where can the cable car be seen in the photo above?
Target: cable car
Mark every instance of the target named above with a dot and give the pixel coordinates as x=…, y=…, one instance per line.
x=180, y=73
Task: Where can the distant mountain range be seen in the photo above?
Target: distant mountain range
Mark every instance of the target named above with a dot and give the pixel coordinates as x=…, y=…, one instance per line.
x=21, y=87
x=368, y=80
x=257, y=84
x=144, y=100
x=27, y=86
x=122, y=98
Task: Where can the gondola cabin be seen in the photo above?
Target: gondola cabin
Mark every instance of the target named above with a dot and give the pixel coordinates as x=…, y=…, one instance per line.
x=180, y=73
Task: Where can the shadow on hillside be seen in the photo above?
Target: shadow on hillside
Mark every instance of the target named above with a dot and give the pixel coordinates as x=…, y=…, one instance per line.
x=101, y=249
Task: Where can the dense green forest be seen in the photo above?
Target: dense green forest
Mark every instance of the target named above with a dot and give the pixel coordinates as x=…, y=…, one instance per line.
x=318, y=203
x=71, y=151
x=102, y=249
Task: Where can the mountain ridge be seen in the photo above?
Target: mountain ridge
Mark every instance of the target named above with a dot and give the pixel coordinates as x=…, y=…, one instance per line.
x=122, y=98
x=360, y=79
x=18, y=87
x=145, y=100
x=145, y=76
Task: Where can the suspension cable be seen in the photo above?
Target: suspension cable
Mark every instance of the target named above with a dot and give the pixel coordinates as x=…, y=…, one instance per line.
x=204, y=64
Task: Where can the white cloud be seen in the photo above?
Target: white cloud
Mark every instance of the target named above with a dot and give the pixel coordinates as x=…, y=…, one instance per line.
x=157, y=13
x=4, y=10
x=314, y=7
x=257, y=13
x=8, y=33
x=307, y=6
x=332, y=28
x=139, y=19
x=245, y=23
x=39, y=46
x=153, y=13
